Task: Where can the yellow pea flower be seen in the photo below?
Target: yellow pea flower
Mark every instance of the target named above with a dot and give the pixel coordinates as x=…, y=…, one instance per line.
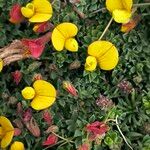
x=1, y=65
x=105, y=53
x=91, y=63
x=17, y=146
x=44, y=94
x=6, y=132
x=37, y=11
x=120, y=9
x=63, y=37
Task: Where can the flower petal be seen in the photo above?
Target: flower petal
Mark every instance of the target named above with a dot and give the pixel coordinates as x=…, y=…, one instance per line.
x=111, y=5
x=6, y=140
x=42, y=102
x=6, y=124
x=127, y=4
x=27, y=12
x=39, y=17
x=43, y=88
x=121, y=16
x=67, y=29
x=17, y=146
x=91, y=63
x=58, y=40
x=28, y=93
x=1, y=65
x=43, y=7
x=71, y=44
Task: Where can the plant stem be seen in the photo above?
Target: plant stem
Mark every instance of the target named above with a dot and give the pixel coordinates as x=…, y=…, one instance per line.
x=67, y=140
x=108, y=25
x=122, y=134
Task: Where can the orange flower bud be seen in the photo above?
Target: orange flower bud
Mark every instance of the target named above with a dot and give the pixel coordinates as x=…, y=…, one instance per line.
x=70, y=88
x=15, y=14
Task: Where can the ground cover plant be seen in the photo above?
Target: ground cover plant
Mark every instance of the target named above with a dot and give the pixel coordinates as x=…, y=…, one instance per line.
x=75, y=75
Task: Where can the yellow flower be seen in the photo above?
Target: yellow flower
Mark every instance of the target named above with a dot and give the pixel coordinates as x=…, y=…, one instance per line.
x=37, y=11
x=44, y=94
x=105, y=53
x=6, y=132
x=91, y=63
x=17, y=146
x=120, y=9
x=63, y=37
x=1, y=65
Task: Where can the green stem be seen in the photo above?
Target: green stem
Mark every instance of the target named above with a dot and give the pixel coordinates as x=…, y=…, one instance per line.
x=108, y=25
x=67, y=140
x=122, y=134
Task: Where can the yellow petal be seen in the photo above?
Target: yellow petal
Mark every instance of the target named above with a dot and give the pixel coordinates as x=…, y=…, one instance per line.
x=1, y=132
x=42, y=6
x=111, y=5
x=71, y=44
x=44, y=88
x=98, y=48
x=58, y=40
x=121, y=16
x=27, y=12
x=17, y=146
x=28, y=93
x=6, y=124
x=67, y=29
x=1, y=65
x=6, y=140
x=91, y=63
x=39, y=17
x=42, y=102
x=127, y=4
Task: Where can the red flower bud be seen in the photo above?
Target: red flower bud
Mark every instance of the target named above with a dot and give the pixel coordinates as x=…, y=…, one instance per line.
x=17, y=132
x=51, y=140
x=43, y=27
x=27, y=115
x=15, y=14
x=36, y=46
x=84, y=146
x=47, y=117
x=17, y=76
x=70, y=88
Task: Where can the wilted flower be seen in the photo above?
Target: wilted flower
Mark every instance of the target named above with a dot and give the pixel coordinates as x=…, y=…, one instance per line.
x=63, y=37
x=17, y=146
x=127, y=27
x=52, y=128
x=15, y=14
x=17, y=76
x=42, y=27
x=6, y=132
x=104, y=103
x=120, y=9
x=125, y=86
x=27, y=115
x=1, y=64
x=51, y=140
x=70, y=88
x=37, y=11
x=84, y=146
x=103, y=53
x=96, y=129
x=37, y=76
x=47, y=117
x=75, y=65
x=43, y=94
x=36, y=46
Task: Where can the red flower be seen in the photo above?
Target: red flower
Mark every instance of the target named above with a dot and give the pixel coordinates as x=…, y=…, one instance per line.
x=17, y=76
x=70, y=88
x=51, y=140
x=47, y=117
x=84, y=146
x=15, y=14
x=36, y=46
x=42, y=27
x=97, y=129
